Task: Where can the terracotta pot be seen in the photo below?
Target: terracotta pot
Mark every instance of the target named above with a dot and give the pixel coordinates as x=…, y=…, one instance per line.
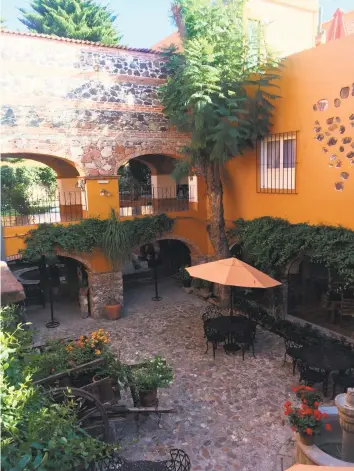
x=113, y=311
x=307, y=440
x=148, y=398
x=103, y=390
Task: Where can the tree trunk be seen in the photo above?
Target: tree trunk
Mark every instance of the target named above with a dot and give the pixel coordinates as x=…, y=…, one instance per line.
x=216, y=225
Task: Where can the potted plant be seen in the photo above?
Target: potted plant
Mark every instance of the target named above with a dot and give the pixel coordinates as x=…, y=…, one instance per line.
x=203, y=287
x=155, y=374
x=306, y=420
x=112, y=310
x=185, y=277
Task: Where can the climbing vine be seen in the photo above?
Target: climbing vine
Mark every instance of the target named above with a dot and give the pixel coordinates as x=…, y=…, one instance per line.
x=271, y=243
x=116, y=238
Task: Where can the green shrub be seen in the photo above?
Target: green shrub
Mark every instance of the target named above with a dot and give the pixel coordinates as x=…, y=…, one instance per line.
x=155, y=374
x=36, y=434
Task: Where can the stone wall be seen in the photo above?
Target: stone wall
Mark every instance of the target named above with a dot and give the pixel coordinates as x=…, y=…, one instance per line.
x=104, y=288
x=96, y=106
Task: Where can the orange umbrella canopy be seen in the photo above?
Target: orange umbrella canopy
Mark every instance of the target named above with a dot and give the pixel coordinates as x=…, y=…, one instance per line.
x=232, y=272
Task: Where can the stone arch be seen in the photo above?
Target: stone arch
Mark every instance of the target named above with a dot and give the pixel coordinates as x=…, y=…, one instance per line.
x=62, y=165
x=196, y=255
x=87, y=264
x=153, y=150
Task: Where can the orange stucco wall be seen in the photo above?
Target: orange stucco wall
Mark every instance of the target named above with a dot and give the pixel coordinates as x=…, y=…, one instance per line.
x=307, y=77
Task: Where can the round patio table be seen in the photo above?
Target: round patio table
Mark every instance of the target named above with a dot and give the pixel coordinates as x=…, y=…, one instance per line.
x=226, y=325
x=328, y=359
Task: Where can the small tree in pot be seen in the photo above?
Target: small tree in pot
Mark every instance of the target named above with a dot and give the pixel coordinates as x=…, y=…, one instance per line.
x=155, y=374
x=185, y=277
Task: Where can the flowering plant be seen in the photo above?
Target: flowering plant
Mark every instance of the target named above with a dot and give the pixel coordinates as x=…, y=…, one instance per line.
x=306, y=419
x=156, y=373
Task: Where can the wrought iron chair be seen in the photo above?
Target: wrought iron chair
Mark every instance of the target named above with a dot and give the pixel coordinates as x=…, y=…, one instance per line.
x=293, y=346
x=211, y=312
x=179, y=461
x=312, y=375
x=241, y=341
x=213, y=337
x=344, y=380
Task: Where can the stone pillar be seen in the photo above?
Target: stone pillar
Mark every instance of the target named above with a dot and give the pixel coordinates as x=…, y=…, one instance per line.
x=102, y=195
x=345, y=404
x=104, y=288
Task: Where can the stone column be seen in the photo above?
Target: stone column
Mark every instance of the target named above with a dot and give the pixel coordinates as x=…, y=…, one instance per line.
x=345, y=404
x=104, y=288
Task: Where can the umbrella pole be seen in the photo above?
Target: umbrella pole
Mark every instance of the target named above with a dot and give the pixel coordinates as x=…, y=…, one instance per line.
x=231, y=302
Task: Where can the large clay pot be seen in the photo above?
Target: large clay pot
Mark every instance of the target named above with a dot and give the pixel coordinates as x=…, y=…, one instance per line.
x=112, y=311
x=148, y=398
x=307, y=440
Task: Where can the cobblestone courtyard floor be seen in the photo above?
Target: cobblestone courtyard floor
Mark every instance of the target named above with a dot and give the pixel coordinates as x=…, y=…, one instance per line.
x=228, y=411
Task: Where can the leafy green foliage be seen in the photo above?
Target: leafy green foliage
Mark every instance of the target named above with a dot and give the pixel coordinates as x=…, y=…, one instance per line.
x=135, y=173
x=19, y=182
x=116, y=238
x=220, y=85
x=36, y=434
x=156, y=373
x=271, y=243
x=77, y=19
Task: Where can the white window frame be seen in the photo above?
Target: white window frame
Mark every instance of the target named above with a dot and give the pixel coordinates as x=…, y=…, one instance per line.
x=277, y=178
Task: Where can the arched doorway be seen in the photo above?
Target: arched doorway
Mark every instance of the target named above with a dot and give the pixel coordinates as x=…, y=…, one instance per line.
x=66, y=277
x=138, y=273
x=39, y=188
x=147, y=186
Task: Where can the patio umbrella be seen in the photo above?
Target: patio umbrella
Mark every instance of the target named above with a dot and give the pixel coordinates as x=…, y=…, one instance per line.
x=232, y=272
x=337, y=28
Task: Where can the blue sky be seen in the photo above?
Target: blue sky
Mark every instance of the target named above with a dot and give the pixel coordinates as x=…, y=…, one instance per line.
x=143, y=22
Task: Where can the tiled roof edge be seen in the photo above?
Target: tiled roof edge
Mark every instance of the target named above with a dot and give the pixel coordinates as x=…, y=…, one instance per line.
x=77, y=41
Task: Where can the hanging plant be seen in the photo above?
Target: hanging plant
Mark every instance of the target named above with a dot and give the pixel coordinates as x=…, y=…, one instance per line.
x=272, y=243
x=115, y=238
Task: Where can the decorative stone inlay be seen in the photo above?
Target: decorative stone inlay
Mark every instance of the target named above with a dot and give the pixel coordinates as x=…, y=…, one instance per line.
x=104, y=288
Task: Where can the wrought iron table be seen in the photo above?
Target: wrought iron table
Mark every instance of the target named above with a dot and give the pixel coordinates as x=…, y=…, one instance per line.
x=228, y=325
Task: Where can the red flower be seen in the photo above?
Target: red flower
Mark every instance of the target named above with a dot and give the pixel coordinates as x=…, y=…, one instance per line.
x=308, y=431
x=325, y=415
x=316, y=404
x=317, y=414
x=309, y=389
x=293, y=428
x=287, y=404
x=295, y=388
x=328, y=427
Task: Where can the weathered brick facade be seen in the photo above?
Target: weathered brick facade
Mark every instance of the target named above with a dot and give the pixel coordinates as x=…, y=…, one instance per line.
x=95, y=106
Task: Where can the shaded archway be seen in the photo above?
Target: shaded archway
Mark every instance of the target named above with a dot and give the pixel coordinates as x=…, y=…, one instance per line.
x=157, y=190
x=43, y=203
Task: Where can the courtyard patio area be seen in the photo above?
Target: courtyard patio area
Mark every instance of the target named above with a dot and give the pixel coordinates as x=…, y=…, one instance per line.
x=228, y=412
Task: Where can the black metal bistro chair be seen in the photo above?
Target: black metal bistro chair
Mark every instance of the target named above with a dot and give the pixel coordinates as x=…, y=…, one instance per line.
x=293, y=346
x=212, y=336
x=312, y=375
x=240, y=341
x=344, y=380
x=179, y=462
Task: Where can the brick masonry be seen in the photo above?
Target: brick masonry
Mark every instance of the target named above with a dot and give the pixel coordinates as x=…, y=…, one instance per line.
x=94, y=106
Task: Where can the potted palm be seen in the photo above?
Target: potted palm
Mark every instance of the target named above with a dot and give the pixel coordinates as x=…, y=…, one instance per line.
x=155, y=374
x=185, y=278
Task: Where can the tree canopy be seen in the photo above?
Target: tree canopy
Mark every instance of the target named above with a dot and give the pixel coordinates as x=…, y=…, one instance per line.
x=220, y=85
x=220, y=89
x=76, y=19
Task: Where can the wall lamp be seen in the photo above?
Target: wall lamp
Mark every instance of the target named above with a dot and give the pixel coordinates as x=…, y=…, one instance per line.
x=104, y=192
x=80, y=184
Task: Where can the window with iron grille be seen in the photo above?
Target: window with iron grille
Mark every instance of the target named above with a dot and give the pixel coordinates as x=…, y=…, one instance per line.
x=276, y=163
